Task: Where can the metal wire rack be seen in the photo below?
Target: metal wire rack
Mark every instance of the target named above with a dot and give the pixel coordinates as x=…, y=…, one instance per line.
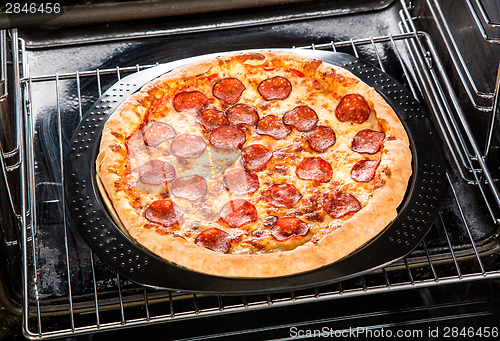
x=108, y=302
x=487, y=25
x=457, y=57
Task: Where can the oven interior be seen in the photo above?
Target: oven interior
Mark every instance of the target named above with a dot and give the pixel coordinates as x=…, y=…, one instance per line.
x=445, y=52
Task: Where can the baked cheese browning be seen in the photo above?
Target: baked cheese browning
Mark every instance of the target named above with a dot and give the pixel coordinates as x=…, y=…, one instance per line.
x=255, y=155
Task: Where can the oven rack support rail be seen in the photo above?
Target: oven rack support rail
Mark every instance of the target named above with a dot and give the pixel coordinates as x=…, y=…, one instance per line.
x=450, y=117
x=415, y=50
x=460, y=148
x=460, y=64
x=489, y=28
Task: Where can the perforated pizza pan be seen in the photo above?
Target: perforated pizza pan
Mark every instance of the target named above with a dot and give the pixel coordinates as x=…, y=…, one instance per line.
x=112, y=246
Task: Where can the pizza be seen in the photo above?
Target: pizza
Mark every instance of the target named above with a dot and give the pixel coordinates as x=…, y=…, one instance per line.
x=254, y=164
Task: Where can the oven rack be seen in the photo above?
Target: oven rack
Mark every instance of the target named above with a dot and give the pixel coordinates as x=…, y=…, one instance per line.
x=132, y=305
x=488, y=27
x=460, y=63
x=465, y=152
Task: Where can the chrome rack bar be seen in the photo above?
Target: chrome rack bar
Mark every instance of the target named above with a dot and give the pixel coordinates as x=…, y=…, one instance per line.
x=63, y=195
x=455, y=261
x=16, y=52
x=476, y=154
x=455, y=144
x=479, y=24
x=71, y=75
x=465, y=125
x=408, y=271
x=462, y=216
x=485, y=15
x=3, y=66
x=360, y=41
x=428, y=255
x=454, y=51
x=494, y=114
x=96, y=299
x=403, y=66
x=16, y=99
x=26, y=176
x=3, y=96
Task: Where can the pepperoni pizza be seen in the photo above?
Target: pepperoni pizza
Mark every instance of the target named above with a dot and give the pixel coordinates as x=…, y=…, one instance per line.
x=254, y=164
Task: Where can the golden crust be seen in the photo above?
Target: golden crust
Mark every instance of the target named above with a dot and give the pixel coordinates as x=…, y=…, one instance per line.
x=353, y=232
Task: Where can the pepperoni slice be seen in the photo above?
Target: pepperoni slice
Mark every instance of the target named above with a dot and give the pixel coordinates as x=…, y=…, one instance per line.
x=211, y=119
x=214, y=239
x=237, y=213
x=256, y=157
x=320, y=138
x=156, y=172
x=289, y=227
x=157, y=132
x=228, y=90
x=301, y=118
x=190, y=188
x=242, y=114
x=285, y=195
x=192, y=102
x=367, y=141
x=315, y=169
x=272, y=126
x=364, y=170
x=241, y=181
x=228, y=137
x=275, y=88
x=338, y=205
x=164, y=212
x=188, y=146
x=352, y=108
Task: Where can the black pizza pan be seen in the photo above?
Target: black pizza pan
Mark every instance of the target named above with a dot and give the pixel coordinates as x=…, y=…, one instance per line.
x=415, y=214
